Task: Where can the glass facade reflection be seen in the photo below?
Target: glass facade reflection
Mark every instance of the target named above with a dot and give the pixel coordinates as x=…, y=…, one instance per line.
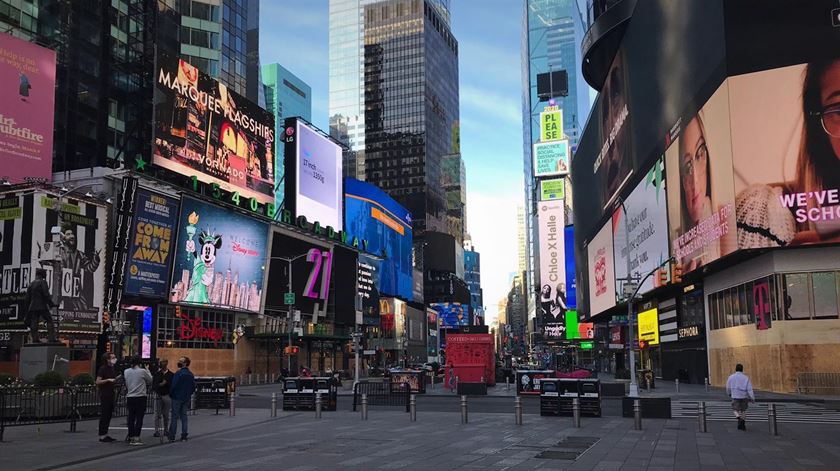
x=411, y=105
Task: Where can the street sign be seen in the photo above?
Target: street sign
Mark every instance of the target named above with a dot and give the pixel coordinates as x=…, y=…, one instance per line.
x=629, y=289
x=289, y=299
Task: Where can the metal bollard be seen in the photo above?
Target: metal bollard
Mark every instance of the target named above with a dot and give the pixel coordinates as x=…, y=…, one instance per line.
x=318, y=405
x=517, y=410
x=232, y=405
x=274, y=404
x=771, y=419
x=706, y=382
x=701, y=416
x=412, y=408
x=364, y=406
x=575, y=412
x=677, y=383
x=250, y=379
x=637, y=414
x=464, y=413
x=507, y=383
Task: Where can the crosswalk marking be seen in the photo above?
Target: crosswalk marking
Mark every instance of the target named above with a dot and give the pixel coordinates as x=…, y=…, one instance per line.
x=791, y=413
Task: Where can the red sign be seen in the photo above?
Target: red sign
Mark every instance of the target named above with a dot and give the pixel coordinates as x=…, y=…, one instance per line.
x=191, y=329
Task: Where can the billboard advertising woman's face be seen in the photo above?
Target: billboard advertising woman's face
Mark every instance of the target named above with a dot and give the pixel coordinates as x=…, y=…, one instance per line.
x=788, y=182
x=614, y=162
x=698, y=165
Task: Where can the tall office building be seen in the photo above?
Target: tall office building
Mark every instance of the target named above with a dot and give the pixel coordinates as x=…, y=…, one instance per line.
x=521, y=242
x=411, y=106
x=472, y=275
x=454, y=183
x=347, y=76
x=286, y=96
x=551, y=35
x=221, y=38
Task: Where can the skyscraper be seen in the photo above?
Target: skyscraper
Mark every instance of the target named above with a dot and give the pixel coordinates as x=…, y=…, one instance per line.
x=411, y=105
x=222, y=40
x=285, y=96
x=551, y=35
x=454, y=183
x=521, y=243
x=472, y=275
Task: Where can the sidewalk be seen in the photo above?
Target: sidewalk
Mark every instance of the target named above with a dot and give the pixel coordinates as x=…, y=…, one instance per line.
x=341, y=440
x=49, y=445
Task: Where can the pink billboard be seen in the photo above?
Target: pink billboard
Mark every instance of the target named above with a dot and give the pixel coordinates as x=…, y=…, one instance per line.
x=27, y=72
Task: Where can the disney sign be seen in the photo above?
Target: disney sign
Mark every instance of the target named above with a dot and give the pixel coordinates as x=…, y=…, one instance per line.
x=191, y=329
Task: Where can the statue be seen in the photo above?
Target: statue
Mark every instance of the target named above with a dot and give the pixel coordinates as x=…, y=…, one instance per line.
x=38, y=304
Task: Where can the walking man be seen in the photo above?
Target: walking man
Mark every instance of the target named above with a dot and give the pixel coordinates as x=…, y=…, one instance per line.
x=162, y=385
x=739, y=387
x=183, y=386
x=38, y=304
x=105, y=379
x=138, y=380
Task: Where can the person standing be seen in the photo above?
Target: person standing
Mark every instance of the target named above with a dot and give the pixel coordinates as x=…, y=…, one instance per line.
x=105, y=379
x=739, y=388
x=183, y=386
x=138, y=380
x=162, y=385
x=38, y=304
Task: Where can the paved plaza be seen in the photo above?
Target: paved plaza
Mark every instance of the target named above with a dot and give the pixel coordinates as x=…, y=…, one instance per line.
x=388, y=440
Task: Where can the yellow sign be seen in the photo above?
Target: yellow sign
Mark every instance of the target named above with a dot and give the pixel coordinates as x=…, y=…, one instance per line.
x=649, y=326
x=551, y=125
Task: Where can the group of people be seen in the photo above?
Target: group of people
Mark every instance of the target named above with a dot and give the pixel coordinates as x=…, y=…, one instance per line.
x=174, y=391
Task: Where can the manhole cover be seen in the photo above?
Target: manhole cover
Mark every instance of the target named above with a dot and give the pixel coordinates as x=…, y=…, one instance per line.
x=558, y=455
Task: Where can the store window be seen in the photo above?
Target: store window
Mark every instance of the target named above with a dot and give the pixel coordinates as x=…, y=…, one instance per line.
x=796, y=296
x=185, y=327
x=825, y=295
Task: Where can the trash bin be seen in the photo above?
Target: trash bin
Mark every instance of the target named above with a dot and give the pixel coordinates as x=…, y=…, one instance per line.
x=291, y=392
x=329, y=393
x=556, y=395
x=590, y=396
x=213, y=392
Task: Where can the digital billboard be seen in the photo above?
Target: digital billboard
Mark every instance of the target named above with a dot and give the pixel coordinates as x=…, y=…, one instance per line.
x=550, y=223
x=313, y=175
x=312, y=273
x=551, y=158
x=599, y=254
x=551, y=124
x=793, y=196
x=571, y=281
x=368, y=281
x=151, y=244
x=645, y=223
x=372, y=215
x=74, y=257
x=206, y=130
x=27, y=72
x=452, y=314
x=219, y=258
x=554, y=189
x=701, y=209
x=649, y=326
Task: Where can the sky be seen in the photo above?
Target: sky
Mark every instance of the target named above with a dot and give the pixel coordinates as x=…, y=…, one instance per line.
x=295, y=33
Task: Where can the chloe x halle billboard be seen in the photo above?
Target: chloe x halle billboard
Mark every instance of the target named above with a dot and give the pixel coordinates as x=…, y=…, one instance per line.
x=204, y=129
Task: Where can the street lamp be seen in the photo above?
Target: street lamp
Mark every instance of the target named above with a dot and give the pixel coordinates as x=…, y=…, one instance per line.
x=629, y=288
x=291, y=306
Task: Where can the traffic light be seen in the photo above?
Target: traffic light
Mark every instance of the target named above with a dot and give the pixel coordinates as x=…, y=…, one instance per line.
x=642, y=344
x=663, y=277
x=676, y=272
x=293, y=350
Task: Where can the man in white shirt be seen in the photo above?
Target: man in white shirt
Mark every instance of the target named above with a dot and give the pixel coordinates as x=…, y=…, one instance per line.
x=739, y=388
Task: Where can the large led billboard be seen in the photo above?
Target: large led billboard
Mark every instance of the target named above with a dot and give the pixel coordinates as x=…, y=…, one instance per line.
x=452, y=314
x=599, y=254
x=374, y=216
x=219, y=258
x=74, y=258
x=205, y=130
x=313, y=175
x=643, y=217
x=551, y=228
x=151, y=244
x=551, y=158
x=27, y=72
x=701, y=210
x=793, y=196
x=571, y=281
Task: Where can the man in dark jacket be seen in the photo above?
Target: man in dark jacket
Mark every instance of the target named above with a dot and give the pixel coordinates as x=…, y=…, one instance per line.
x=183, y=386
x=38, y=304
x=163, y=384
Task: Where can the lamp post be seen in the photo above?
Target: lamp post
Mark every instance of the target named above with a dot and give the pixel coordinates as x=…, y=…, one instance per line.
x=629, y=288
x=291, y=307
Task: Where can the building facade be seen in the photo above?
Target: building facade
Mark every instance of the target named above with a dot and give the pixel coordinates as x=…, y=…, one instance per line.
x=472, y=275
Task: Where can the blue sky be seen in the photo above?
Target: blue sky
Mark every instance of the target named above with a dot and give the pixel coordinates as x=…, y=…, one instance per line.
x=295, y=33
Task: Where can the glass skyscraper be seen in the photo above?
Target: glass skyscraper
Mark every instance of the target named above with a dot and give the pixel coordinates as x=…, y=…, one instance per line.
x=552, y=31
x=285, y=96
x=411, y=105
